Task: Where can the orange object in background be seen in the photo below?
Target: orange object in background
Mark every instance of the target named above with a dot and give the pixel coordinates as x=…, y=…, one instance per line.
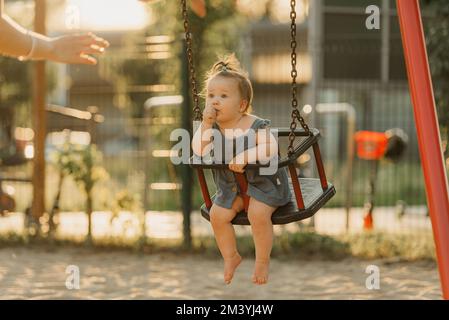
x=371, y=145
x=368, y=222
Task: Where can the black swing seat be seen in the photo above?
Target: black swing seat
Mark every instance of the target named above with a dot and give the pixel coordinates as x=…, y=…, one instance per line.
x=313, y=195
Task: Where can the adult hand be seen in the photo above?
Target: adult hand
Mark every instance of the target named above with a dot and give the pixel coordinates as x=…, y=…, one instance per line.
x=77, y=48
x=199, y=7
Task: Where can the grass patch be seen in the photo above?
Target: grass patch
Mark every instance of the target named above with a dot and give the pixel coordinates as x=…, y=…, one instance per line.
x=408, y=247
x=300, y=245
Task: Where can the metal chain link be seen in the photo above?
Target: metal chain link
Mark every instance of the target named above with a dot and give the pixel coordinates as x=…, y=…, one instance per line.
x=196, y=110
x=296, y=115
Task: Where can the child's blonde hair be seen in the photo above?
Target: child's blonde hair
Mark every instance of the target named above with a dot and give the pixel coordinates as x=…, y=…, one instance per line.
x=229, y=67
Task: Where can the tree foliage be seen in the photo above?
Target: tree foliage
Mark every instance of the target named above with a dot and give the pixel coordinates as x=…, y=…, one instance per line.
x=437, y=31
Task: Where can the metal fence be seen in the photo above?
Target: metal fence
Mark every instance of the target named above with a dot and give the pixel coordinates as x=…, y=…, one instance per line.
x=134, y=138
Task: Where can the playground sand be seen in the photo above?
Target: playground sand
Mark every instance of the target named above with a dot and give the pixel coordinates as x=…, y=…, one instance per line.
x=41, y=274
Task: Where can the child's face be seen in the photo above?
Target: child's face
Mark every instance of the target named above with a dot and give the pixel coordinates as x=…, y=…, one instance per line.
x=223, y=95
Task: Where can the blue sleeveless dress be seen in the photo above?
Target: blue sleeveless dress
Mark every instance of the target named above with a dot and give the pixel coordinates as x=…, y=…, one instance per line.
x=272, y=190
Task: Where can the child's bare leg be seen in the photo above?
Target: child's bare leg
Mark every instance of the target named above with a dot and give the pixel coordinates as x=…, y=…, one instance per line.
x=220, y=219
x=259, y=215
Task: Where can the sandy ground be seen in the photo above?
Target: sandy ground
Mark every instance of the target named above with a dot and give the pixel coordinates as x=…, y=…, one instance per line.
x=41, y=274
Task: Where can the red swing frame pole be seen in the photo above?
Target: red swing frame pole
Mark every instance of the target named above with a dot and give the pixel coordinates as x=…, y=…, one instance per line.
x=428, y=132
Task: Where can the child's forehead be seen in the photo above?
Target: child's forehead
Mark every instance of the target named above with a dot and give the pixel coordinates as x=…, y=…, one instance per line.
x=220, y=82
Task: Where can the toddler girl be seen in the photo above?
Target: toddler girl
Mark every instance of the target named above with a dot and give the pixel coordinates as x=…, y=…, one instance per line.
x=228, y=112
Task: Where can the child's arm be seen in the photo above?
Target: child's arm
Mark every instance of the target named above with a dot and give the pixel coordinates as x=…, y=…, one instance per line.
x=266, y=148
x=201, y=142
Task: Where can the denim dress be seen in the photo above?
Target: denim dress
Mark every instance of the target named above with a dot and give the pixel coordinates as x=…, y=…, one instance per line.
x=272, y=190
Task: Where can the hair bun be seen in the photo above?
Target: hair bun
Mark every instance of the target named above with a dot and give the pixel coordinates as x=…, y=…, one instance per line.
x=224, y=65
x=227, y=64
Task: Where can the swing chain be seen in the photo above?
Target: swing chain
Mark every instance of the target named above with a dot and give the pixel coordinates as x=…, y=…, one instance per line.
x=296, y=115
x=188, y=35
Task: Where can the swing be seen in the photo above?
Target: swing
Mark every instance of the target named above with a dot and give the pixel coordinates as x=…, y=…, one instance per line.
x=308, y=194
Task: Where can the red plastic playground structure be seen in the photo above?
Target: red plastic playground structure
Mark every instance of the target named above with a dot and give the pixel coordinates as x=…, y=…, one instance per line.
x=426, y=120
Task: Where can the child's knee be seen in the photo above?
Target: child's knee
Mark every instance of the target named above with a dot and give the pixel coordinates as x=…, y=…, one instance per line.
x=219, y=216
x=258, y=218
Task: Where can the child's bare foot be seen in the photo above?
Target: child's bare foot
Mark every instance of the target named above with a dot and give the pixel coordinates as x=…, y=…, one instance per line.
x=260, y=275
x=230, y=265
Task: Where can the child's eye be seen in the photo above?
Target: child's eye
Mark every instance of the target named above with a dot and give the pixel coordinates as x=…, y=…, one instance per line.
x=224, y=95
x=210, y=95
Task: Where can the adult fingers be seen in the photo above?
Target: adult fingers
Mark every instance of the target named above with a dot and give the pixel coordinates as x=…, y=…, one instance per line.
x=86, y=59
x=199, y=7
x=93, y=50
x=91, y=39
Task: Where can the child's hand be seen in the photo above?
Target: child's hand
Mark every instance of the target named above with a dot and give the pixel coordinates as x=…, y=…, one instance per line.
x=209, y=115
x=236, y=164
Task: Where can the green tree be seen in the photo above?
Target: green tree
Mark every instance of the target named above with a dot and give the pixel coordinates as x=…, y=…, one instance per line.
x=437, y=31
x=217, y=33
x=83, y=163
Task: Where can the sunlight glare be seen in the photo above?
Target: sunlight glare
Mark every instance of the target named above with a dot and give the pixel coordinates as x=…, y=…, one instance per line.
x=110, y=15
